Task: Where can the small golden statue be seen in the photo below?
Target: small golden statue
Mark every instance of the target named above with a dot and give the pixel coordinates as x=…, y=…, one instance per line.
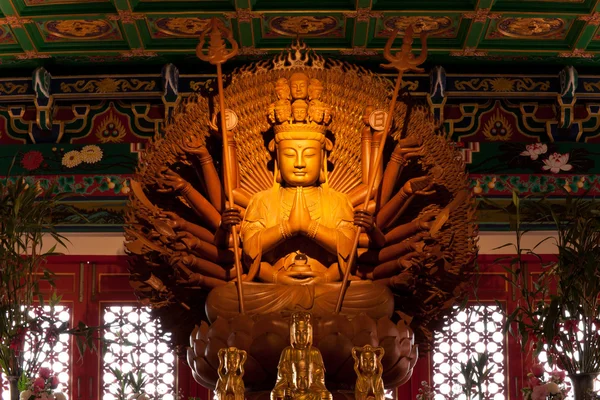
x=301, y=373
x=230, y=385
x=368, y=368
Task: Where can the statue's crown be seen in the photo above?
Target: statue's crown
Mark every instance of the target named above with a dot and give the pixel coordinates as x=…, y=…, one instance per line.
x=299, y=112
x=301, y=316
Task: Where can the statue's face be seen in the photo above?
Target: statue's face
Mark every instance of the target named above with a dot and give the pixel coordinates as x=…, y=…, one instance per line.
x=299, y=114
x=315, y=91
x=299, y=86
x=302, y=381
x=301, y=335
x=367, y=362
x=283, y=92
x=299, y=161
x=231, y=360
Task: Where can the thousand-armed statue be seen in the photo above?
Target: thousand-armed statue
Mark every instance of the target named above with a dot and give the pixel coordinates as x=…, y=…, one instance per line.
x=285, y=165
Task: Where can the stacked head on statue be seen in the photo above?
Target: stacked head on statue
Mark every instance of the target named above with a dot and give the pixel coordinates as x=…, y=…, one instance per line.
x=301, y=332
x=300, y=122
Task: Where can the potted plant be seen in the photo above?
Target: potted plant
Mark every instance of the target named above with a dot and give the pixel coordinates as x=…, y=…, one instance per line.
x=558, y=312
x=26, y=217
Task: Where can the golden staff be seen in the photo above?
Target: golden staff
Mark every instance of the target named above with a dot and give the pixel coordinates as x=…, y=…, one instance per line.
x=402, y=61
x=217, y=54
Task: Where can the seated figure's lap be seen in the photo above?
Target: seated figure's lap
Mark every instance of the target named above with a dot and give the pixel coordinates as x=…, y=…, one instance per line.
x=261, y=298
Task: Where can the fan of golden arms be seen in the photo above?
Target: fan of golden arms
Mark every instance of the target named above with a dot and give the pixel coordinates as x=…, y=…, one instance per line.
x=264, y=320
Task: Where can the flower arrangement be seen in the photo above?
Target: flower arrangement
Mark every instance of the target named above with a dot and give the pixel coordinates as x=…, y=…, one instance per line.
x=554, y=389
x=28, y=326
x=42, y=387
x=559, y=312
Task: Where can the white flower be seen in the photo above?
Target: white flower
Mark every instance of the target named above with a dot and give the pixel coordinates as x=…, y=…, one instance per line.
x=25, y=395
x=534, y=150
x=60, y=396
x=91, y=154
x=71, y=159
x=557, y=162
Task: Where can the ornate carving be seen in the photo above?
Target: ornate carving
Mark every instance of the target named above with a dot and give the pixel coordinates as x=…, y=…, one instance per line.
x=363, y=14
x=530, y=27
x=297, y=216
x=79, y=28
x=469, y=52
x=31, y=55
x=358, y=51
x=593, y=19
x=180, y=26
x=15, y=21
x=502, y=84
x=111, y=130
x=244, y=15
x=138, y=53
x=126, y=17
x=230, y=385
x=301, y=371
x=498, y=128
x=481, y=15
x=108, y=85
x=577, y=53
x=304, y=26
x=593, y=87
x=369, y=370
x=10, y=88
x=427, y=24
x=251, y=51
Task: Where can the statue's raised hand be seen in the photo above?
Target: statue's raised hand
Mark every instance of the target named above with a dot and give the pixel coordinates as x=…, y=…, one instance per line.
x=169, y=181
x=173, y=220
x=194, y=145
x=300, y=219
x=421, y=186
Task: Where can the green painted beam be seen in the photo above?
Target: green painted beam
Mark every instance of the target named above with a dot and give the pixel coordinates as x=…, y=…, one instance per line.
x=18, y=27
x=128, y=25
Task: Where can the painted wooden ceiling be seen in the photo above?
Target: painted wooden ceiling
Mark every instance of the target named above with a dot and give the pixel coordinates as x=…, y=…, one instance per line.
x=135, y=32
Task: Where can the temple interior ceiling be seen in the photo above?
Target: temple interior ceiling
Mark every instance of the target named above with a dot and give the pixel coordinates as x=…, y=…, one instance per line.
x=134, y=32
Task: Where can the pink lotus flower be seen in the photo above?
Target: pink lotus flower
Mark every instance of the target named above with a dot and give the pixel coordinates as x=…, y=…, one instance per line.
x=534, y=150
x=45, y=372
x=557, y=162
x=534, y=381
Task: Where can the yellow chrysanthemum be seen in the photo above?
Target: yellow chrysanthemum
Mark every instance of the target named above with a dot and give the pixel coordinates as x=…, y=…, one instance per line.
x=91, y=154
x=71, y=159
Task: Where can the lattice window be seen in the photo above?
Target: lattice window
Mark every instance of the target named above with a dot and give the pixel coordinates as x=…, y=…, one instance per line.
x=474, y=330
x=59, y=359
x=140, y=345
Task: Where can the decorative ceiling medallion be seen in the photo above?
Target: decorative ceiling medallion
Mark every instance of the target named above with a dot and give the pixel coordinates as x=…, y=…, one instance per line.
x=82, y=29
x=530, y=27
x=190, y=26
x=428, y=24
x=303, y=25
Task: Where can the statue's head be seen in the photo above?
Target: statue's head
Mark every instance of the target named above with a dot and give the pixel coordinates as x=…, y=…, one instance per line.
x=315, y=88
x=301, y=373
x=301, y=330
x=300, y=144
x=282, y=88
x=299, y=85
x=368, y=363
x=232, y=359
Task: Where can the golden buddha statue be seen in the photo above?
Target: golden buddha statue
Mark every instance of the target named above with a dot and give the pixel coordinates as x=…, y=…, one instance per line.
x=300, y=231
x=301, y=372
x=230, y=385
x=368, y=368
